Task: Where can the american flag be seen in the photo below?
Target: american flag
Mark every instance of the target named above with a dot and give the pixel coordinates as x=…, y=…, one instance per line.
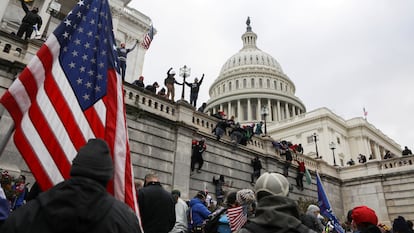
x=237, y=217
x=148, y=38
x=365, y=112
x=71, y=92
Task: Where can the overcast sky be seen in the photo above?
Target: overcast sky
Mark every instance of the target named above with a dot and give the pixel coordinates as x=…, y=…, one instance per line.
x=341, y=54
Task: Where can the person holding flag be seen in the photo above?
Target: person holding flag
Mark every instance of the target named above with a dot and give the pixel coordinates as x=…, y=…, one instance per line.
x=69, y=93
x=325, y=206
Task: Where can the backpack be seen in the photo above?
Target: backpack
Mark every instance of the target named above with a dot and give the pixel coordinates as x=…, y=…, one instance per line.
x=211, y=224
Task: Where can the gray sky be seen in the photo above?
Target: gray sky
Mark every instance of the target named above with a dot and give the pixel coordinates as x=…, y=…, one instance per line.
x=341, y=54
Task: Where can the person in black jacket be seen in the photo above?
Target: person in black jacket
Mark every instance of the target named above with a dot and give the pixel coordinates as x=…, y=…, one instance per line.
x=29, y=20
x=194, y=89
x=79, y=204
x=156, y=205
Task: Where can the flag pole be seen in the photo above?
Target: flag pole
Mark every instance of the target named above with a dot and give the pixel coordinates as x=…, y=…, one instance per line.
x=8, y=131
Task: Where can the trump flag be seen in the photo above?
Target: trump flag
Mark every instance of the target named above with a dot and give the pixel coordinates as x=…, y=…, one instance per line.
x=325, y=206
x=71, y=92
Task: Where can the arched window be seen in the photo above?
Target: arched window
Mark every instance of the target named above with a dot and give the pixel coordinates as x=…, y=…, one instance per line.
x=252, y=82
x=268, y=83
x=237, y=84
x=229, y=86
x=260, y=83
x=224, y=88
x=275, y=84
x=244, y=83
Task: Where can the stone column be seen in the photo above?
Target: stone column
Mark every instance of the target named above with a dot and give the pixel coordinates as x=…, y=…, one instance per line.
x=269, y=105
x=229, y=109
x=44, y=15
x=293, y=111
x=259, y=109
x=287, y=114
x=181, y=164
x=249, y=110
x=239, y=112
x=116, y=12
x=278, y=111
x=3, y=7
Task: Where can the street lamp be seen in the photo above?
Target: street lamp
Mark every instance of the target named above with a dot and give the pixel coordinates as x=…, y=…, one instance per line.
x=333, y=147
x=265, y=112
x=184, y=72
x=316, y=144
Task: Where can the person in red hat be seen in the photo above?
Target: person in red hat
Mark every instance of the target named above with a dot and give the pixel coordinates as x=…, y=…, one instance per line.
x=364, y=220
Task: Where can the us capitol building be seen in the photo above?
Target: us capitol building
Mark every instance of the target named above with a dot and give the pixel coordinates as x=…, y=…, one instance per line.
x=252, y=87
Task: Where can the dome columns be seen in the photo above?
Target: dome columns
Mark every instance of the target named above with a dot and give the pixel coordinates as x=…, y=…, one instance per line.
x=247, y=110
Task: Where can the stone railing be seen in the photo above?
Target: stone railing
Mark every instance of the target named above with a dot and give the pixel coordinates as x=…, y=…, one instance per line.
x=378, y=167
x=147, y=101
x=181, y=111
x=401, y=163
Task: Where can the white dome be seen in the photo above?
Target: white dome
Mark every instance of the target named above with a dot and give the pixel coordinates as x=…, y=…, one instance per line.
x=250, y=57
x=250, y=81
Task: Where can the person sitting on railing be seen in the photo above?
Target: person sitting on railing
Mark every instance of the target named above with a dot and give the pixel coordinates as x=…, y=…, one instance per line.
x=237, y=134
x=139, y=82
x=388, y=155
x=351, y=162
x=162, y=93
x=152, y=88
x=406, y=151
x=202, y=107
x=258, y=130
x=362, y=158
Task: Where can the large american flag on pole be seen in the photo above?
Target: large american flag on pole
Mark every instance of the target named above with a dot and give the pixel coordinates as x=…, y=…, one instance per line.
x=237, y=217
x=71, y=92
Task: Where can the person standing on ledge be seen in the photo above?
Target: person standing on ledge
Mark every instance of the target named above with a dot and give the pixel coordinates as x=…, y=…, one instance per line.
x=195, y=87
x=29, y=21
x=122, y=57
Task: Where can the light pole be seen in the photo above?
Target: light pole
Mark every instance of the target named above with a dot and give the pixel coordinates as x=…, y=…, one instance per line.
x=265, y=112
x=184, y=72
x=316, y=144
x=333, y=147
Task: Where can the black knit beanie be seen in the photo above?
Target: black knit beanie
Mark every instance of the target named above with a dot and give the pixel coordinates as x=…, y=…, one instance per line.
x=93, y=161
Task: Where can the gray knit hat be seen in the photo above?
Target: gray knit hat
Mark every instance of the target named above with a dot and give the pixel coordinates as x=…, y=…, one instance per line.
x=93, y=161
x=272, y=183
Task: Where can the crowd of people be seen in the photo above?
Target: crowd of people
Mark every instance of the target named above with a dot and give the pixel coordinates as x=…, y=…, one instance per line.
x=82, y=203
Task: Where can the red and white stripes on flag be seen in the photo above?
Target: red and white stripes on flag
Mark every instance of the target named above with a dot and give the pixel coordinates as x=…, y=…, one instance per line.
x=68, y=93
x=237, y=217
x=148, y=38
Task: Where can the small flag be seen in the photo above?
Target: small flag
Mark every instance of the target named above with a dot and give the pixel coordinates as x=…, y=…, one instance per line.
x=325, y=206
x=148, y=38
x=365, y=112
x=237, y=217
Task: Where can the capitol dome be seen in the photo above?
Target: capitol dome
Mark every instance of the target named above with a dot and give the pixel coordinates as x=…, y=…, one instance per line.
x=252, y=81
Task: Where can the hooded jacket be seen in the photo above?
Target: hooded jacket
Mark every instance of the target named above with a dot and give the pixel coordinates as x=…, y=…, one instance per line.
x=198, y=212
x=79, y=204
x=275, y=214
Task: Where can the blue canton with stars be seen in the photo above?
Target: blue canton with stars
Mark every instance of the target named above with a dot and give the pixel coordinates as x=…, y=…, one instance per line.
x=87, y=49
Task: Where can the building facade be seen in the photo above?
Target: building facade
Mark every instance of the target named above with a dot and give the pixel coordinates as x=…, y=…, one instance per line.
x=252, y=87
